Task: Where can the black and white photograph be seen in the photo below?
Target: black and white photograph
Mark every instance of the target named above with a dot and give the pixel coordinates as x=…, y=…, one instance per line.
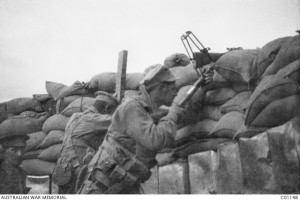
x=153, y=97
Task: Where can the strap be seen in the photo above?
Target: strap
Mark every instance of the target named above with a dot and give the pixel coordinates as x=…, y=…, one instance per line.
x=109, y=142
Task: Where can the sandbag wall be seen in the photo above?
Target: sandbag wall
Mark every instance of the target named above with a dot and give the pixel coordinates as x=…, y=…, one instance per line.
x=254, y=91
x=44, y=117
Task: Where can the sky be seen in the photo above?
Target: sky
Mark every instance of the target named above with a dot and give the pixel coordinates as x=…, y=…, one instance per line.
x=67, y=40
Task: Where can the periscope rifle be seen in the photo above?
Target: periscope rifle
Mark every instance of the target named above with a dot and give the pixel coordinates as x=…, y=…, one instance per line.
x=205, y=58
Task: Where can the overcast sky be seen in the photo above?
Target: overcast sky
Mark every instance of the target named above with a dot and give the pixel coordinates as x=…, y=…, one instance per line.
x=68, y=40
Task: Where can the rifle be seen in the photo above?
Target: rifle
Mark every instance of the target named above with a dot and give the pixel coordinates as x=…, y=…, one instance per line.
x=187, y=39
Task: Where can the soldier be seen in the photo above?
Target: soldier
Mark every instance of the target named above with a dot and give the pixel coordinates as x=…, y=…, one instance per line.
x=128, y=151
x=12, y=176
x=84, y=134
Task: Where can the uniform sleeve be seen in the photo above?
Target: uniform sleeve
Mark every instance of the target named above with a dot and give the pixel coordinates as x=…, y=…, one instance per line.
x=140, y=126
x=102, y=121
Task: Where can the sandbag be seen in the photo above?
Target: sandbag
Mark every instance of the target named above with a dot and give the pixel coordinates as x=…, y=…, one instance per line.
x=23, y=124
x=18, y=105
x=237, y=103
x=238, y=87
x=37, y=167
x=177, y=59
x=184, y=75
x=62, y=103
x=55, y=122
x=53, y=137
x=41, y=97
x=202, y=128
x=278, y=112
x=50, y=106
x=228, y=125
x=51, y=153
x=249, y=131
x=289, y=52
x=211, y=112
x=199, y=130
x=199, y=146
x=34, y=140
x=107, y=81
x=149, y=68
x=182, y=136
x=78, y=105
x=291, y=71
x=269, y=89
x=103, y=82
x=77, y=88
x=219, y=96
x=133, y=80
x=268, y=54
x=3, y=112
x=53, y=89
x=238, y=65
x=34, y=154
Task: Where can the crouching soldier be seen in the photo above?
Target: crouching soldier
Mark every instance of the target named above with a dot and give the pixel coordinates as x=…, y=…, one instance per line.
x=127, y=154
x=84, y=134
x=12, y=176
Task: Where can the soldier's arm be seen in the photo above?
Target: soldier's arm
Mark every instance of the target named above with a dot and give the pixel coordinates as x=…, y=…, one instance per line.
x=140, y=126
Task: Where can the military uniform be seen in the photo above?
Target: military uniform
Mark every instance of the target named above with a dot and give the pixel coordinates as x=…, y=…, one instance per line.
x=12, y=177
x=12, y=180
x=128, y=152
x=84, y=134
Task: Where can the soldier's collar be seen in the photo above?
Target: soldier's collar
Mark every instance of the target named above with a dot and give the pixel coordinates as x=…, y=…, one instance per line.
x=147, y=103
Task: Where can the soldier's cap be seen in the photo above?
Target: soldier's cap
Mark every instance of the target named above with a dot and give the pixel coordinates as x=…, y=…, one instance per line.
x=106, y=97
x=13, y=140
x=157, y=75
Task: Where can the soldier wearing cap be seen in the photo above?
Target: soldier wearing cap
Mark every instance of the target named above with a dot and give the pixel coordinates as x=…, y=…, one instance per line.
x=128, y=151
x=12, y=177
x=84, y=134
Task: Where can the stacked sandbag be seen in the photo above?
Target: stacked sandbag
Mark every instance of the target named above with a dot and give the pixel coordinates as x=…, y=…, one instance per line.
x=31, y=150
x=237, y=103
x=276, y=96
x=238, y=66
x=18, y=105
x=26, y=116
x=62, y=103
x=185, y=75
x=78, y=105
x=25, y=123
x=268, y=54
x=58, y=90
x=107, y=82
x=55, y=122
x=275, y=101
x=47, y=146
x=177, y=59
x=3, y=112
x=289, y=52
x=228, y=125
x=225, y=104
x=48, y=103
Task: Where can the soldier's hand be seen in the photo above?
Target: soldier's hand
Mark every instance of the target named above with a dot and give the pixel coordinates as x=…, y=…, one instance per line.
x=208, y=75
x=176, y=113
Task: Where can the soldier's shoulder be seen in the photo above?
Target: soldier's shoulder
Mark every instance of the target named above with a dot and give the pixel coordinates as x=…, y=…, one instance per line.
x=131, y=102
